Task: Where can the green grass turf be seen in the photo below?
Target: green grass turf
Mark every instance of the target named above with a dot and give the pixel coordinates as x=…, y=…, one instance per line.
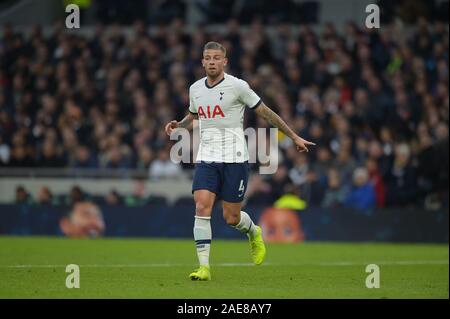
x=151, y=268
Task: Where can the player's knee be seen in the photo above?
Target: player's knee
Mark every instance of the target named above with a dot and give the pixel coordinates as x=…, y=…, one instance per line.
x=202, y=210
x=230, y=218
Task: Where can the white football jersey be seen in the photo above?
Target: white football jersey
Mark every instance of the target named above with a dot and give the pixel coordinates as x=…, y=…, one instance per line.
x=220, y=111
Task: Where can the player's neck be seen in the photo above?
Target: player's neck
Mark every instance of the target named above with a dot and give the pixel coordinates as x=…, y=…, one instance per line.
x=214, y=80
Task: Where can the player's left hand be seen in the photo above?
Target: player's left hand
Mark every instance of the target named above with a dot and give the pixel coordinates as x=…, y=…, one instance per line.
x=302, y=144
x=170, y=127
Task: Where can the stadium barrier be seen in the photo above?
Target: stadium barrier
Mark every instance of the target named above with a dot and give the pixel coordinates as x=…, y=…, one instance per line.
x=176, y=221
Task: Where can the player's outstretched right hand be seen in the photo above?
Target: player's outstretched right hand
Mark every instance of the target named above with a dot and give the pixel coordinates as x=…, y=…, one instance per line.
x=171, y=126
x=302, y=144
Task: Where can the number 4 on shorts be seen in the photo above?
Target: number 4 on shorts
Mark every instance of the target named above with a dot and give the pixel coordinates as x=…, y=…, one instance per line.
x=241, y=188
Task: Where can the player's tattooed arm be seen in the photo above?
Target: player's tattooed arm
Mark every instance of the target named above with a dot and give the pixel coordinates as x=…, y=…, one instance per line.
x=276, y=121
x=184, y=123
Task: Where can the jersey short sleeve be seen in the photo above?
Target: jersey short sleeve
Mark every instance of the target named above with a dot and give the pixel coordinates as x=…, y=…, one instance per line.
x=247, y=95
x=192, y=108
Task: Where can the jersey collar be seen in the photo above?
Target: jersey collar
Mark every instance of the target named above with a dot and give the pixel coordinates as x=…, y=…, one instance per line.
x=210, y=87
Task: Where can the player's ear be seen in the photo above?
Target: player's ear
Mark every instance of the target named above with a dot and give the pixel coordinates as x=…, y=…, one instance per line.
x=225, y=62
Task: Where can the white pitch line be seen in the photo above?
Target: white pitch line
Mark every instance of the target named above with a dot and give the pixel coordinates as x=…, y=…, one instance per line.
x=125, y=265
x=388, y=263
x=160, y=265
x=96, y=266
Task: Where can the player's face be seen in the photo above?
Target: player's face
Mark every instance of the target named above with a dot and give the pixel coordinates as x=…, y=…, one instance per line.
x=214, y=62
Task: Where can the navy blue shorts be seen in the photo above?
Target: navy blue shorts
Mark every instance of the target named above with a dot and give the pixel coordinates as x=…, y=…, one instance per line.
x=227, y=180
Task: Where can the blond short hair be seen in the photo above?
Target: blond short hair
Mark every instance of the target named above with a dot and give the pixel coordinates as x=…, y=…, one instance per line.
x=215, y=46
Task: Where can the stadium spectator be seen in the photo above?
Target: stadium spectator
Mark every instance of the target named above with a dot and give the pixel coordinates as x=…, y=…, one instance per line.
x=145, y=158
x=76, y=195
x=345, y=164
x=162, y=166
x=335, y=193
x=279, y=181
x=259, y=190
x=323, y=162
x=22, y=195
x=118, y=158
x=377, y=182
x=5, y=152
x=362, y=196
x=45, y=196
x=401, y=181
x=84, y=158
x=21, y=157
x=49, y=156
x=113, y=198
x=298, y=174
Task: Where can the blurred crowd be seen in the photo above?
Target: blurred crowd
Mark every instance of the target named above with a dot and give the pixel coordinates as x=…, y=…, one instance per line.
x=376, y=102
x=46, y=196
x=205, y=11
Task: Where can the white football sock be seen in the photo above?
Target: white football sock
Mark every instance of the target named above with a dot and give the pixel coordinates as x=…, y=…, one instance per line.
x=202, y=236
x=246, y=225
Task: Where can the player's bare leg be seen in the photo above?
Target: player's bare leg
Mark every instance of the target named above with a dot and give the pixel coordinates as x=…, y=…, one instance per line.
x=204, y=202
x=240, y=220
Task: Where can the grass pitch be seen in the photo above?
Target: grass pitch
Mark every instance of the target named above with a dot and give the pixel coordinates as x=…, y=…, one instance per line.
x=151, y=268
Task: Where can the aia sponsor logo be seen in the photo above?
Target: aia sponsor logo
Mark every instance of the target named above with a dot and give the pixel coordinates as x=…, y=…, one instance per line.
x=209, y=113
